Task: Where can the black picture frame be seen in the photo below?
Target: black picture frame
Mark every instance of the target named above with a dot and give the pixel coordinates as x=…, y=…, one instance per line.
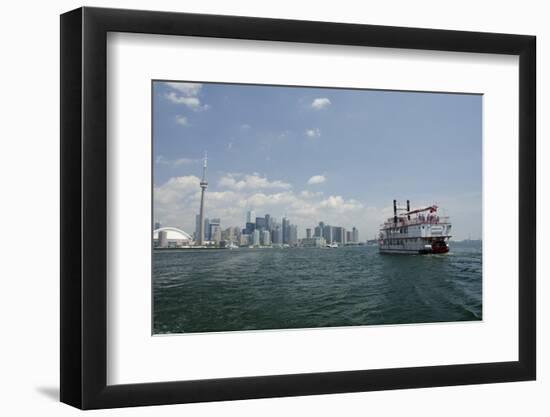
x=84, y=207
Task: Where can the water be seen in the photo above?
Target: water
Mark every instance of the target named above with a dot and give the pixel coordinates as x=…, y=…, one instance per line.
x=245, y=289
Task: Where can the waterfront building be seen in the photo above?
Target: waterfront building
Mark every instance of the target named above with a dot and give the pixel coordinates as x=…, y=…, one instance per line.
x=328, y=233
x=348, y=236
x=163, y=239
x=171, y=237
x=157, y=226
x=292, y=235
x=354, y=235
x=216, y=235
x=261, y=223
x=319, y=229
x=308, y=233
x=250, y=216
x=268, y=222
x=277, y=235
x=285, y=230
x=250, y=227
x=339, y=235
x=314, y=242
x=215, y=230
x=206, y=233
x=197, y=231
x=244, y=240
x=266, y=238
x=256, y=238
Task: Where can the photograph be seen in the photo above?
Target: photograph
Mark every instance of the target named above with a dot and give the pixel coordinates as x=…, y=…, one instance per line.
x=298, y=207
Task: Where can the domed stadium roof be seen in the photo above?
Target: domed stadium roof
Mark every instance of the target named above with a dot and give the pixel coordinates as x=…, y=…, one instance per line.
x=172, y=233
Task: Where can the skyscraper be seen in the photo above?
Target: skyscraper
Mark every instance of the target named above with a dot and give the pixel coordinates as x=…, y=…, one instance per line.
x=292, y=235
x=285, y=230
x=204, y=185
x=328, y=233
x=206, y=225
x=214, y=230
x=197, y=227
x=319, y=229
x=250, y=216
x=256, y=238
x=266, y=238
x=277, y=235
x=308, y=233
x=261, y=223
x=355, y=235
x=339, y=235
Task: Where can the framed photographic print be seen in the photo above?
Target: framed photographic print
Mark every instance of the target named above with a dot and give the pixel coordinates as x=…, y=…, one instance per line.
x=258, y=207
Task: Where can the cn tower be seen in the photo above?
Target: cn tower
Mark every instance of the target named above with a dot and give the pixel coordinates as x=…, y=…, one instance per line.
x=204, y=185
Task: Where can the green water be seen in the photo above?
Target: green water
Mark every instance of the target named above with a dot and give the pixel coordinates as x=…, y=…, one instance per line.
x=245, y=289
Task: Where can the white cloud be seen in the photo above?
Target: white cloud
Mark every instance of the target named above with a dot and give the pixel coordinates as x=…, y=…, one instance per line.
x=182, y=120
x=250, y=182
x=186, y=94
x=313, y=133
x=245, y=126
x=177, y=202
x=339, y=204
x=187, y=89
x=176, y=190
x=316, y=179
x=320, y=103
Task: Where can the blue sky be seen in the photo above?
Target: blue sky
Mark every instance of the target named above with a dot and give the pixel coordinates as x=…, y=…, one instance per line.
x=315, y=154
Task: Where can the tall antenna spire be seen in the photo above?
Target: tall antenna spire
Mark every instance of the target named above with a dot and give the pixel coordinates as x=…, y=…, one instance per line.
x=204, y=185
x=204, y=167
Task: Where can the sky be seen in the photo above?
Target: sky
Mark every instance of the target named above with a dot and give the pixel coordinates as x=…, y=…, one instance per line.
x=315, y=154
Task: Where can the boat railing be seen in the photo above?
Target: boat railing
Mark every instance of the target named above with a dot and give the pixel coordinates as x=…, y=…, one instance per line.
x=426, y=219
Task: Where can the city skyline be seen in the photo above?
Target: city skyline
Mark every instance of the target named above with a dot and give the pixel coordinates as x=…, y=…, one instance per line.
x=312, y=154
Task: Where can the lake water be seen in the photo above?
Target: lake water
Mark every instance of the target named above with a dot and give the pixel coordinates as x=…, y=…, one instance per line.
x=246, y=289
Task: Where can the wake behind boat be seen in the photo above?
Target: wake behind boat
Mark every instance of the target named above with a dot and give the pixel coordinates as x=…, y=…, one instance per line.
x=419, y=231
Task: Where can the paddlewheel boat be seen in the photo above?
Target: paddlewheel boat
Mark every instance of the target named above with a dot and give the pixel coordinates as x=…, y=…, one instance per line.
x=420, y=231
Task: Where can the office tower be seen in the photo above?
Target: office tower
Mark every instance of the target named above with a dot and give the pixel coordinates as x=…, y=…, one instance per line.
x=355, y=235
x=349, y=237
x=157, y=226
x=203, y=185
x=268, y=222
x=244, y=240
x=197, y=232
x=292, y=235
x=328, y=233
x=308, y=233
x=319, y=229
x=339, y=235
x=285, y=230
x=260, y=223
x=250, y=227
x=216, y=234
x=250, y=216
x=277, y=235
x=256, y=238
x=206, y=233
x=266, y=238
x=215, y=230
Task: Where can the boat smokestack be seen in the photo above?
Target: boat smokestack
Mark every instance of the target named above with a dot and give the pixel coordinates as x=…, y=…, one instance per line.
x=395, y=211
x=408, y=209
